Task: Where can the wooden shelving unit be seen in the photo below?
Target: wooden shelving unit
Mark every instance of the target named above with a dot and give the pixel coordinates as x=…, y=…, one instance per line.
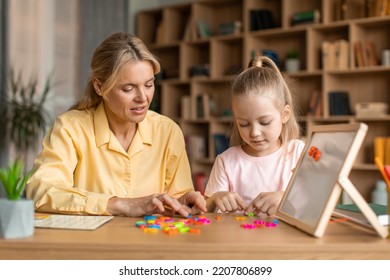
x=172, y=34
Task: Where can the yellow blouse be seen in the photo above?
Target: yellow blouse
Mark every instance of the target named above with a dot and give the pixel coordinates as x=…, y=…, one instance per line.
x=82, y=165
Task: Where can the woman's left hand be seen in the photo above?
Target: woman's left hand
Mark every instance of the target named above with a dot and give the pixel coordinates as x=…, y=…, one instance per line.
x=193, y=202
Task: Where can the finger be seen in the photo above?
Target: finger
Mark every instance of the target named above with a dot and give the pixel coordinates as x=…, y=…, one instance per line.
x=241, y=203
x=158, y=203
x=200, y=203
x=169, y=201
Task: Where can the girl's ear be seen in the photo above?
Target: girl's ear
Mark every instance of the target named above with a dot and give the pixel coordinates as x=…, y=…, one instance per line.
x=286, y=114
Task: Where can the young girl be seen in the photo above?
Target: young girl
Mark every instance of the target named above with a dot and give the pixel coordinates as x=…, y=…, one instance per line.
x=253, y=173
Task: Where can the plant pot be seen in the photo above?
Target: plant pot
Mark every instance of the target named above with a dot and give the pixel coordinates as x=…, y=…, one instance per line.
x=16, y=218
x=292, y=65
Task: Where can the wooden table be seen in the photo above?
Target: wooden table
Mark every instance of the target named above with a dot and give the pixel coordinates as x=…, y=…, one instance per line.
x=222, y=239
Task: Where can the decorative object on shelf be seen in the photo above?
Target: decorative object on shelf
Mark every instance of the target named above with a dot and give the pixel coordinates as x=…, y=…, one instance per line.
x=371, y=109
x=200, y=70
x=292, y=63
x=385, y=61
x=204, y=30
x=16, y=213
x=221, y=143
x=272, y=55
x=379, y=194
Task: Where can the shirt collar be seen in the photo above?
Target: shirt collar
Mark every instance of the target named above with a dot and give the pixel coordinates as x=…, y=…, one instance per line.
x=102, y=129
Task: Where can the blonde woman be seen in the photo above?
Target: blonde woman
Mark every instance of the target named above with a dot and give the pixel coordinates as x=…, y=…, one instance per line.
x=110, y=155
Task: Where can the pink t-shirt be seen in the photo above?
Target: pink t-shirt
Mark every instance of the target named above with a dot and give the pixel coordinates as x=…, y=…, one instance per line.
x=236, y=171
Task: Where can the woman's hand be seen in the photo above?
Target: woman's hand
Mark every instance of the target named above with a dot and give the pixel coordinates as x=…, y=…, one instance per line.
x=265, y=204
x=147, y=205
x=193, y=203
x=225, y=202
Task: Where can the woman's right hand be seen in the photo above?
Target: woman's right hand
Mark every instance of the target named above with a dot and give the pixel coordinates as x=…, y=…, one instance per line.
x=147, y=205
x=225, y=202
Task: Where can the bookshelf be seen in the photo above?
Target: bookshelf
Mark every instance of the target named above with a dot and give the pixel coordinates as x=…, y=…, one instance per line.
x=195, y=65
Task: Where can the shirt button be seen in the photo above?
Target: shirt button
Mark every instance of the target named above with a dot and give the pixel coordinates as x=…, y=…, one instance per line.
x=125, y=192
x=95, y=209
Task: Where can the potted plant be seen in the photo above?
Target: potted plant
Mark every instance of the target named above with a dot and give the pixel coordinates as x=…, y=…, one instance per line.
x=16, y=213
x=24, y=119
x=25, y=115
x=292, y=62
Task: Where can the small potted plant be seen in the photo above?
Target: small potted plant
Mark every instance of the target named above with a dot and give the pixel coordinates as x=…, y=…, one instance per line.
x=292, y=62
x=16, y=213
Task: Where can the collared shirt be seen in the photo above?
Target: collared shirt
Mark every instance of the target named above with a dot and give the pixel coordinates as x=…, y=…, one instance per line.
x=82, y=164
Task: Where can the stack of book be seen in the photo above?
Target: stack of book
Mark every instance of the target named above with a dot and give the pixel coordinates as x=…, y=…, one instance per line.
x=365, y=54
x=231, y=27
x=335, y=55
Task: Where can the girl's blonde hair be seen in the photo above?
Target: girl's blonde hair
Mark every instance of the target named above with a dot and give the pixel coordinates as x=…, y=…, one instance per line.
x=107, y=62
x=263, y=78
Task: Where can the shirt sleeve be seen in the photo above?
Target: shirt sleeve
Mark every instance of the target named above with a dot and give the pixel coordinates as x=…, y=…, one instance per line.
x=218, y=180
x=52, y=184
x=178, y=180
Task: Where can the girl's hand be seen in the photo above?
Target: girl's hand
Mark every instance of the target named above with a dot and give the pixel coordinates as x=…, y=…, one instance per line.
x=265, y=204
x=225, y=202
x=147, y=205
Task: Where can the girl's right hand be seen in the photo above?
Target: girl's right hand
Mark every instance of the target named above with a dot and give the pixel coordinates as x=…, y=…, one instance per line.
x=225, y=202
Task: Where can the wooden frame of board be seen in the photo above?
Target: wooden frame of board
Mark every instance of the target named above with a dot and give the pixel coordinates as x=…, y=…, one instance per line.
x=320, y=176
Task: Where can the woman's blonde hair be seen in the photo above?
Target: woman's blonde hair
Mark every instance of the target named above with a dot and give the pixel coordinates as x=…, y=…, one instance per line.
x=107, y=62
x=264, y=78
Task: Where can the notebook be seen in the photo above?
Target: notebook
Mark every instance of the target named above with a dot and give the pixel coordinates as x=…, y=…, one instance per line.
x=353, y=213
x=75, y=222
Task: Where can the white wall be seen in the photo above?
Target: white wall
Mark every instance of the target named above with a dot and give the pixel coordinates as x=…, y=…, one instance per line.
x=42, y=38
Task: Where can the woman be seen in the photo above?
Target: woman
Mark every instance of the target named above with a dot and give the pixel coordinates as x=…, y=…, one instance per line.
x=109, y=155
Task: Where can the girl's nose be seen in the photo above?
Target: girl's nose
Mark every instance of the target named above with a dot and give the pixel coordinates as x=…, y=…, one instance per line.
x=255, y=131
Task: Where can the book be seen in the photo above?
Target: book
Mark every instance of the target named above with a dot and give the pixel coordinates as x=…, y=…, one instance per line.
x=231, y=27
x=315, y=106
x=371, y=53
x=341, y=52
x=339, y=103
x=313, y=16
x=352, y=212
x=359, y=59
x=185, y=107
x=379, y=148
x=261, y=19
x=196, y=146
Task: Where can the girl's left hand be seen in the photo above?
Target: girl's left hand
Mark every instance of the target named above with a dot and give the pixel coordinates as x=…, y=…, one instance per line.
x=265, y=204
